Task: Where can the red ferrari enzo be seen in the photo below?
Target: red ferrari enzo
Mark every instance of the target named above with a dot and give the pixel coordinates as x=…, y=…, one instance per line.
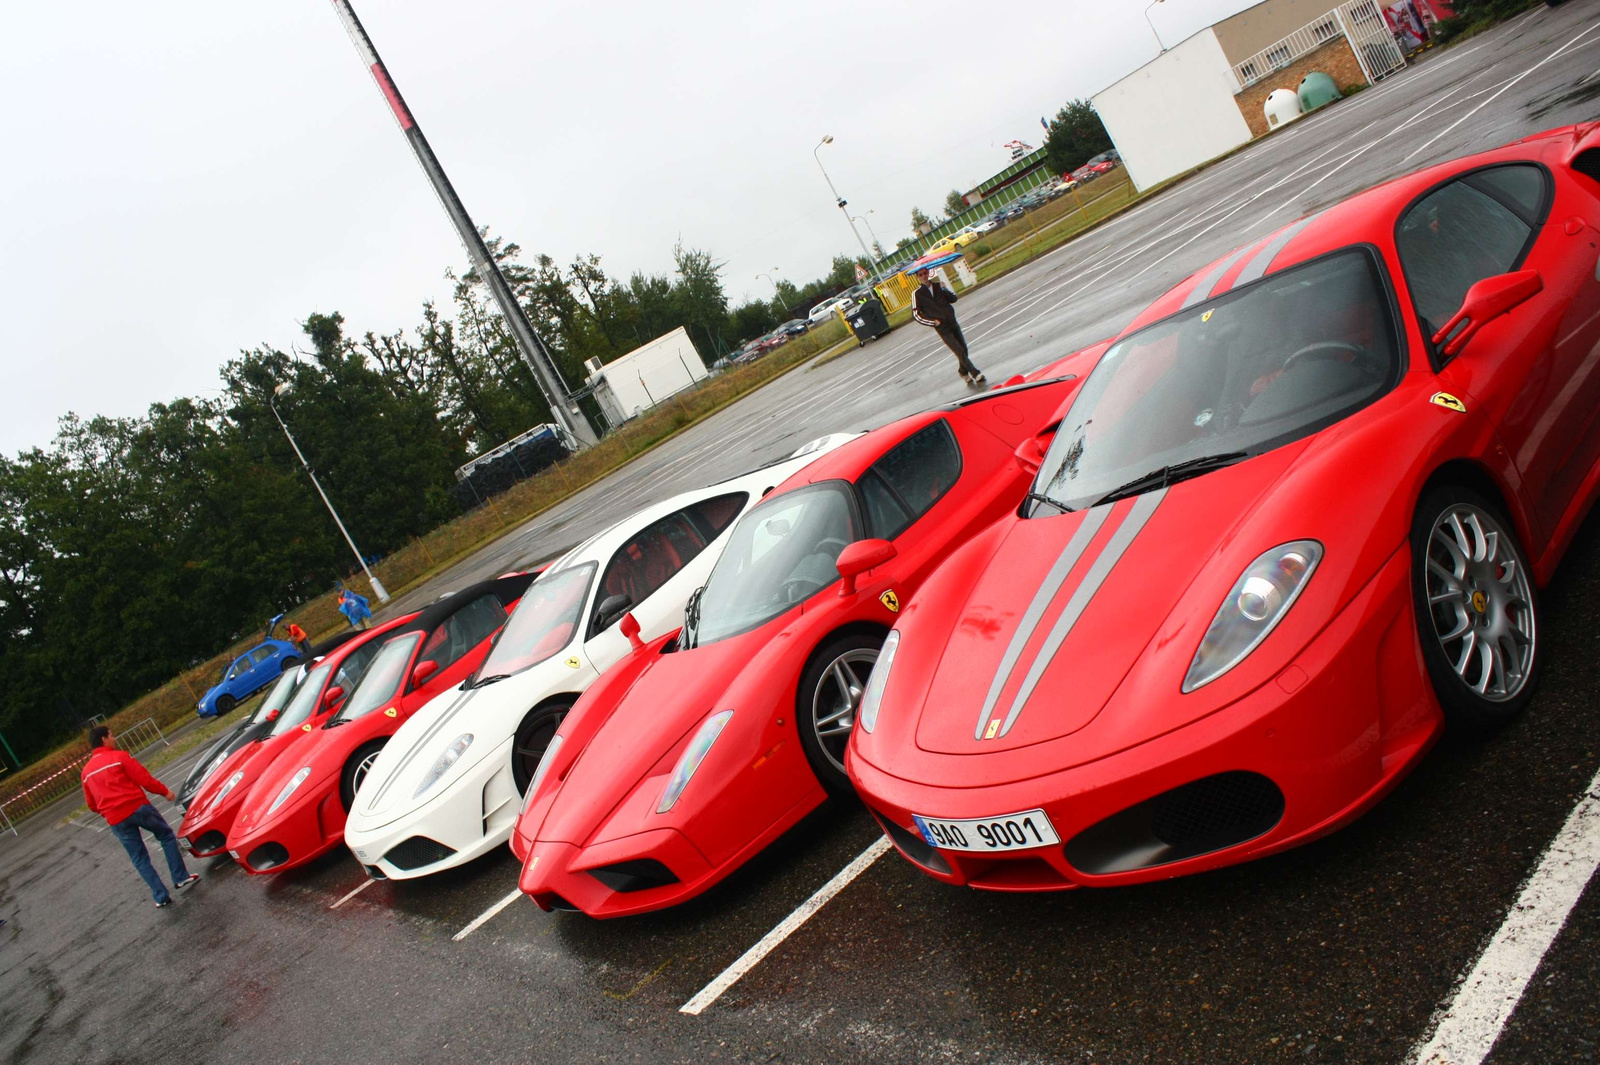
x=1291, y=526
x=209, y=818
x=296, y=811
x=698, y=750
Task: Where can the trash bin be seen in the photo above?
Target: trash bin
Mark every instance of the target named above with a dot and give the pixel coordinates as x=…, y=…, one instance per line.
x=868, y=321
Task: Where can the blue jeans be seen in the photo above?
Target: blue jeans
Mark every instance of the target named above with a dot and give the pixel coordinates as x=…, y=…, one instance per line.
x=127, y=831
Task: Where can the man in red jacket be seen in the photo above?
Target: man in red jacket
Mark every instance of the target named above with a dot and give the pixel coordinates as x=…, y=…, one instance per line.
x=114, y=785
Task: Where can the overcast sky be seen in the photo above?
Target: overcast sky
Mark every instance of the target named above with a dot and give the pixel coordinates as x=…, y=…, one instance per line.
x=182, y=181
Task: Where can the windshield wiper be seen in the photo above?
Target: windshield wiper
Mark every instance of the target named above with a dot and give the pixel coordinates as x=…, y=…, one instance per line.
x=1040, y=497
x=484, y=682
x=336, y=722
x=1172, y=474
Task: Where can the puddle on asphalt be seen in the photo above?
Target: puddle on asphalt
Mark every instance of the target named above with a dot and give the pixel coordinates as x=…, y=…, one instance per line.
x=1584, y=90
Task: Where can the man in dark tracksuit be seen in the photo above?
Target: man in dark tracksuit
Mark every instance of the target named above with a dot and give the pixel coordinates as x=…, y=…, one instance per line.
x=932, y=305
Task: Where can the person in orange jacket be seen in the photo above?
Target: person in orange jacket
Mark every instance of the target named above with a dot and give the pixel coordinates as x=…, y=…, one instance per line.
x=298, y=637
x=114, y=786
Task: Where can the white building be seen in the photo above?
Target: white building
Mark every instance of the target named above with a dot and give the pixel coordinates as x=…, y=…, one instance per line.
x=645, y=376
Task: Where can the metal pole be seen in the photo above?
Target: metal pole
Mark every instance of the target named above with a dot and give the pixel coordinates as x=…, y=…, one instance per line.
x=377, y=585
x=875, y=241
x=562, y=406
x=844, y=207
x=1147, y=19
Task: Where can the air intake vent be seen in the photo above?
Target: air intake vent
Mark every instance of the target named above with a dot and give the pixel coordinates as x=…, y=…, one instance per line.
x=1205, y=815
x=911, y=844
x=417, y=852
x=208, y=842
x=638, y=875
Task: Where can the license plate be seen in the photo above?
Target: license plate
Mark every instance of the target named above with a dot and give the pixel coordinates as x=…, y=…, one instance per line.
x=987, y=835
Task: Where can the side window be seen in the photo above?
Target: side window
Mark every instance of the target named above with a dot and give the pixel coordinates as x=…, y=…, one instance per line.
x=712, y=516
x=464, y=630
x=355, y=663
x=649, y=560
x=261, y=654
x=1463, y=232
x=903, y=485
x=241, y=665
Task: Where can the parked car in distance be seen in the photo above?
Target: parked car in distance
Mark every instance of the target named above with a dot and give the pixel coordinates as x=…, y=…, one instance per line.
x=248, y=674
x=794, y=327
x=821, y=311
x=959, y=239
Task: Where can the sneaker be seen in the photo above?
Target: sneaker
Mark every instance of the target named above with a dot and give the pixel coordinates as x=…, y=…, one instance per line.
x=163, y=905
x=188, y=882
x=978, y=378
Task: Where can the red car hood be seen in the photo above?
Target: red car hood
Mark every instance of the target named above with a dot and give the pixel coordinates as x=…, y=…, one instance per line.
x=1065, y=606
x=324, y=750
x=642, y=731
x=253, y=759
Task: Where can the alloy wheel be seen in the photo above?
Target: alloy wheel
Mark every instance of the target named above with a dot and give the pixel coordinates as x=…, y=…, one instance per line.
x=837, y=698
x=1481, y=602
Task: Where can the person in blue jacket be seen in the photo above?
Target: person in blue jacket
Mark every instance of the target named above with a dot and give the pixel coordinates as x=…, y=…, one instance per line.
x=354, y=608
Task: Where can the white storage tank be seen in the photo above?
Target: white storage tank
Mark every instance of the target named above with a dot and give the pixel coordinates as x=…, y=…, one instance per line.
x=1282, y=107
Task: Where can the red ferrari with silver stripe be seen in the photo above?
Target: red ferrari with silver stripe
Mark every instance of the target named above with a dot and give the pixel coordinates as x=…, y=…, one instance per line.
x=1293, y=525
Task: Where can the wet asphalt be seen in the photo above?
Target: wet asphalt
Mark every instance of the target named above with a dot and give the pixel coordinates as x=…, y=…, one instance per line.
x=1337, y=952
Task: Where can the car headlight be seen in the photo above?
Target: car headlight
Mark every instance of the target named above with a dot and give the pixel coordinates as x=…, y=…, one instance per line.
x=211, y=767
x=1257, y=602
x=222, y=793
x=548, y=757
x=693, y=755
x=288, y=789
x=452, y=754
x=872, y=697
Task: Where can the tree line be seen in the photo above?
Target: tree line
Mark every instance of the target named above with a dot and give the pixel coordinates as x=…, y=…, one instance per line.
x=134, y=548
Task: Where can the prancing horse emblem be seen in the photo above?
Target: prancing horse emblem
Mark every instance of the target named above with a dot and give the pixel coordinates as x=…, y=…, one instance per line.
x=573, y=662
x=890, y=600
x=391, y=712
x=1449, y=402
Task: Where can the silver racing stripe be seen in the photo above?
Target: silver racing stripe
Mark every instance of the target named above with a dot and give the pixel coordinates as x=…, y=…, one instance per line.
x=1262, y=259
x=1143, y=507
x=416, y=748
x=1202, y=289
x=1092, y=520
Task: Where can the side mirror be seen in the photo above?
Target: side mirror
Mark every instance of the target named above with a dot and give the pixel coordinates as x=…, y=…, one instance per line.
x=331, y=696
x=611, y=608
x=425, y=669
x=1484, y=302
x=630, y=628
x=272, y=715
x=859, y=557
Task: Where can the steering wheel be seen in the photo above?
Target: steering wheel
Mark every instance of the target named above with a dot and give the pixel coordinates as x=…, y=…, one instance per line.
x=1329, y=349
x=795, y=589
x=823, y=544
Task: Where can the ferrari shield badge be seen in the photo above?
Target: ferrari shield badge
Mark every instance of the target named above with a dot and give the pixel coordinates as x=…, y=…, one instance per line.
x=305, y=728
x=994, y=726
x=1446, y=400
x=1206, y=317
x=573, y=662
x=389, y=712
x=890, y=600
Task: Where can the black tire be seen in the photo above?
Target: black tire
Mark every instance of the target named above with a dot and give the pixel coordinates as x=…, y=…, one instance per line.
x=287, y=664
x=533, y=736
x=822, y=704
x=1477, y=618
x=355, y=771
x=225, y=703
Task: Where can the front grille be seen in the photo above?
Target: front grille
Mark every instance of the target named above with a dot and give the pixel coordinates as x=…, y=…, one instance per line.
x=207, y=842
x=267, y=856
x=1205, y=815
x=911, y=844
x=638, y=875
x=417, y=852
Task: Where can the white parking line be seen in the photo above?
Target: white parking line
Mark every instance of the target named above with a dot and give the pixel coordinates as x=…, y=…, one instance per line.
x=752, y=957
x=486, y=916
x=353, y=894
x=1467, y=1028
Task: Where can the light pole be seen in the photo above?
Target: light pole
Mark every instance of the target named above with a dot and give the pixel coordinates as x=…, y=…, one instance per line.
x=1153, y=3
x=776, y=291
x=876, y=243
x=377, y=585
x=827, y=138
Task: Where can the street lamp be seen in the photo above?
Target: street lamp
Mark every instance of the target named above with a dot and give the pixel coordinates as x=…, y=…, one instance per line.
x=778, y=292
x=827, y=138
x=1153, y=3
x=876, y=243
x=272, y=402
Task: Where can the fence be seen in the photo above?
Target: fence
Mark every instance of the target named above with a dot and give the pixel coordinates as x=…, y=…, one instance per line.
x=977, y=212
x=64, y=781
x=1359, y=21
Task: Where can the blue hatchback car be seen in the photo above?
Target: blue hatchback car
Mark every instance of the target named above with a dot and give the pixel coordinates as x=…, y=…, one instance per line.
x=249, y=673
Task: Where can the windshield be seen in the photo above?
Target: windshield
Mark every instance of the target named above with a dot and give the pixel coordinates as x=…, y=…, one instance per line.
x=780, y=554
x=305, y=700
x=278, y=695
x=1225, y=380
x=544, y=622
x=383, y=678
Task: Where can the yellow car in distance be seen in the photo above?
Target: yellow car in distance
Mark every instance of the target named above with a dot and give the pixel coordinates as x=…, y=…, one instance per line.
x=959, y=239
